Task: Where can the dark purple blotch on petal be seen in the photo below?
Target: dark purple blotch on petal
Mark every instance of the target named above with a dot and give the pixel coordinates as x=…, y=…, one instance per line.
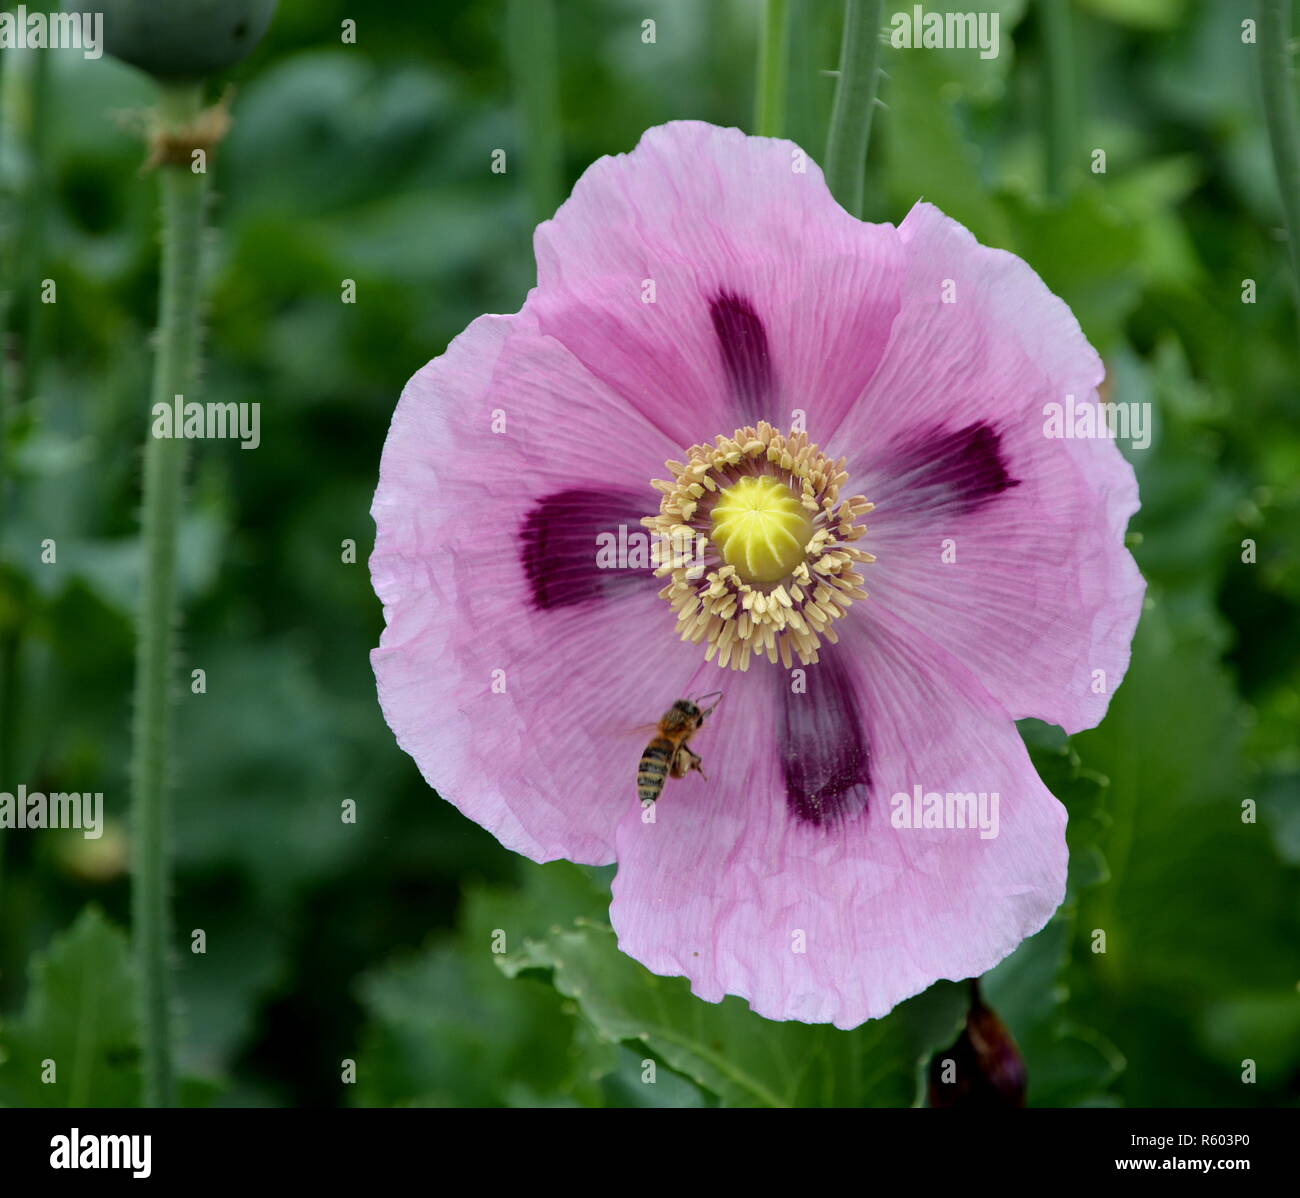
x=825, y=759
x=949, y=471
x=559, y=543
x=743, y=342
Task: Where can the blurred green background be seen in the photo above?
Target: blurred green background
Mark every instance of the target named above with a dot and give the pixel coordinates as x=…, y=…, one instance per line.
x=371, y=942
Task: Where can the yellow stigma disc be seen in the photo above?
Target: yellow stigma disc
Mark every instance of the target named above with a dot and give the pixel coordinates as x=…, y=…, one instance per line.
x=761, y=528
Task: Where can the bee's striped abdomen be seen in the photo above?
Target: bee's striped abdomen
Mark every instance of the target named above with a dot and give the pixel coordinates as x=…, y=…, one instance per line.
x=653, y=769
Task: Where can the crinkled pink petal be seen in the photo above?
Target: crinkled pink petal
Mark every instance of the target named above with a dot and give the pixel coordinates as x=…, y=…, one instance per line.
x=741, y=241
x=726, y=889
x=546, y=764
x=1033, y=590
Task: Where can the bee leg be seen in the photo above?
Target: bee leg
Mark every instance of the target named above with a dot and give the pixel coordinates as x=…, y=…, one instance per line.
x=693, y=762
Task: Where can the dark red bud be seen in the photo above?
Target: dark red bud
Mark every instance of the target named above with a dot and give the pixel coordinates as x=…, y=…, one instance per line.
x=983, y=1068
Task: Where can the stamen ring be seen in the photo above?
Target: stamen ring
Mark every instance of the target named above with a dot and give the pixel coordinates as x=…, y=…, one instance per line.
x=735, y=598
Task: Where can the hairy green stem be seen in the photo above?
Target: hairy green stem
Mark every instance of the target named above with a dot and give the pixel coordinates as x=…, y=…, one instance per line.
x=36, y=209
x=531, y=46
x=6, y=273
x=773, y=65
x=175, y=373
x=1060, y=111
x=855, y=102
x=1278, y=79
x=8, y=641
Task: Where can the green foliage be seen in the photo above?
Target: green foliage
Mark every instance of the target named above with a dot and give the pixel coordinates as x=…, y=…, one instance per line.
x=1179, y=829
x=1070, y=1063
x=446, y=1028
x=729, y=1051
x=74, y=1043
x=530, y=1003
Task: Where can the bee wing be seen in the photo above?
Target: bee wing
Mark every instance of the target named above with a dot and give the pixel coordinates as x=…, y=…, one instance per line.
x=642, y=730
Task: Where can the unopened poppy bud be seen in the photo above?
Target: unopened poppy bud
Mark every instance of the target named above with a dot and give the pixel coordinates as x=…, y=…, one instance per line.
x=184, y=39
x=983, y=1068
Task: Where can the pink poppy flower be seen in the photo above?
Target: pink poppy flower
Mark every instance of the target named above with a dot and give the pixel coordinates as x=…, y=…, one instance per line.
x=707, y=316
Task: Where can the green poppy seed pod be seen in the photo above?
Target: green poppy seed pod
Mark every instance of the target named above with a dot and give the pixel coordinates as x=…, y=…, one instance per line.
x=983, y=1068
x=184, y=39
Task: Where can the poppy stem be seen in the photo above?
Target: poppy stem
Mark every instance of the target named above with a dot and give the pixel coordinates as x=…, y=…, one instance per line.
x=9, y=635
x=532, y=51
x=1060, y=99
x=855, y=102
x=773, y=64
x=35, y=232
x=175, y=373
x=1278, y=79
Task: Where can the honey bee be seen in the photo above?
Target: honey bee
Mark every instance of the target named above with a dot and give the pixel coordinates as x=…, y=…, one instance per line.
x=669, y=754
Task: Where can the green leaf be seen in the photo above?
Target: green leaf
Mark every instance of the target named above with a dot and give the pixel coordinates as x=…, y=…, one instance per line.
x=1083, y=793
x=961, y=71
x=447, y=1028
x=1199, y=909
x=1279, y=805
x=550, y=897
x=929, y=154
x=79, y=1019
x=1087, y=251
x=1150, y=195
x=441, y=1033
x=1066, y=1063
x=638, y=1081
x=1178, y=814
x=1263, y=1028
x=274, y=779
x=728, y=1050
x=220, y=991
